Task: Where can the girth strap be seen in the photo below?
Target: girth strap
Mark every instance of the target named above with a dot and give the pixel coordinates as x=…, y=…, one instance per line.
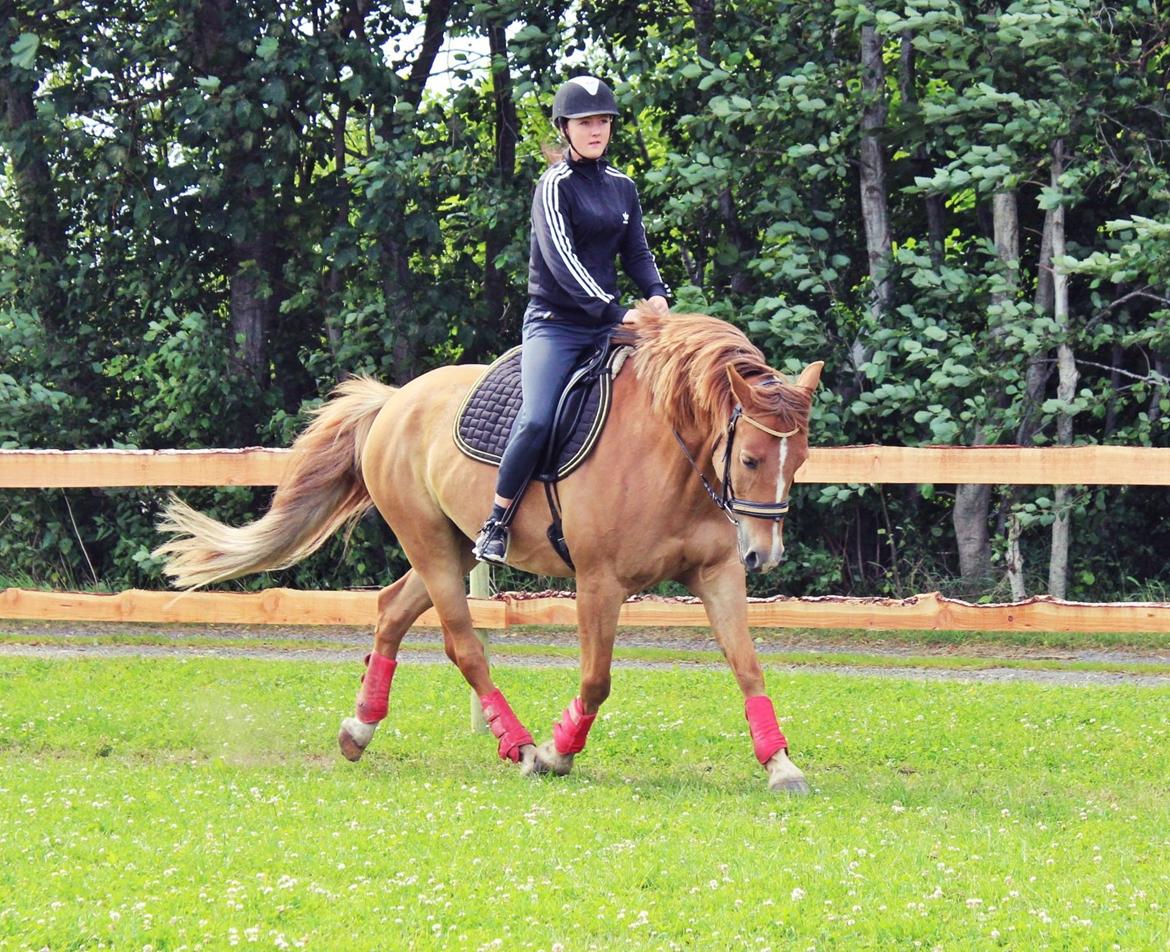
x=583, y=377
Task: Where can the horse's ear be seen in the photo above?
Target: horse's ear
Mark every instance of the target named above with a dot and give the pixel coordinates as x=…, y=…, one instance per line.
x=811, y=375
x=740, y=388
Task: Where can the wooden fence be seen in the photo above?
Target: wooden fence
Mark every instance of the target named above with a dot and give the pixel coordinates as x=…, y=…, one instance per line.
x=1015, y=465
x=1081, y=465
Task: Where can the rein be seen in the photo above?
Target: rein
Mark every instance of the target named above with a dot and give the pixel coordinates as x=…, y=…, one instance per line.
x=726, y=499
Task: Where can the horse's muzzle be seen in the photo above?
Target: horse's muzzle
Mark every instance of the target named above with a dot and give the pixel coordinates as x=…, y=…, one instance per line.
x=757, y=564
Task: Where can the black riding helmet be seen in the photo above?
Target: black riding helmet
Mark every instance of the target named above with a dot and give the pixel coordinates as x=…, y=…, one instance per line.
x=583, y=96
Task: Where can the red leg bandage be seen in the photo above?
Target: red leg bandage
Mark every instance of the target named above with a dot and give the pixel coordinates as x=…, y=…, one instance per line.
x=569, y=735
x=373, y=698
x=505, y=725
x=766, y=734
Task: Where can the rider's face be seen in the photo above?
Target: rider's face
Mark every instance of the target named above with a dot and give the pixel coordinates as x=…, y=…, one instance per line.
x=589, y=135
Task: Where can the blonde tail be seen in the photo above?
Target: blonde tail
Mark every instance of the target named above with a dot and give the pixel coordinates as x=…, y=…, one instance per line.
x=321, y=490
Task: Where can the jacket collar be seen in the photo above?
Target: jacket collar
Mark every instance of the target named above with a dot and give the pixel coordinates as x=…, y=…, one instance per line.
x=589, y=166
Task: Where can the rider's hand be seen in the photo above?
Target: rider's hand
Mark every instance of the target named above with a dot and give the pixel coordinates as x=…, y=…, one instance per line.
x=631, y=318
x=659, y=304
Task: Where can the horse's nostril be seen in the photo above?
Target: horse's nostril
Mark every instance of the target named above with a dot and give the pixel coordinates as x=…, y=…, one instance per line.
x=751, y=561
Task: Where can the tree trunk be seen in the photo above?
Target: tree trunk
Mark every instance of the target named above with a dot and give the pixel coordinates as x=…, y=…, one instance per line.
x=923, y=164
x=1014, y=559
x=1006, y=231
x=1007, y=245
x=973, y=502
x=972, y=541
x=254, y=273
x=1036, y=383
x=253, y=304
x=254, y=278
x=1065, y=390
x=874, y=198
x=1038, y=367
x=42, y=224
x=396, y=283
x=1154, y=408
x=507, y=133
x=434, y=30
x=703, y=16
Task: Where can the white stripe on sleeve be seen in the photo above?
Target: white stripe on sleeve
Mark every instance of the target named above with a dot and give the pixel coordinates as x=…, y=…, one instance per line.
x=551, y=199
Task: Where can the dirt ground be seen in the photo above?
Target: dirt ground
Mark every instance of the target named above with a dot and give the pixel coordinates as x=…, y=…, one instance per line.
x=57, y=640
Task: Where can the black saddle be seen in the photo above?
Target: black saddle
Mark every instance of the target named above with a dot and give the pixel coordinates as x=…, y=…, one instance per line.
x=485, y=420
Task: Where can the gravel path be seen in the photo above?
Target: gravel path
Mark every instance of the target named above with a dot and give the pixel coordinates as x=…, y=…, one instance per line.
x=54, y=640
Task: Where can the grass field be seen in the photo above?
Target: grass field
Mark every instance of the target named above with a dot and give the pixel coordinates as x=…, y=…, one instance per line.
x=169, y=804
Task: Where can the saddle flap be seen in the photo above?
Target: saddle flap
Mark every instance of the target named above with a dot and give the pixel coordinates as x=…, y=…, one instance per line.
x=485, y=419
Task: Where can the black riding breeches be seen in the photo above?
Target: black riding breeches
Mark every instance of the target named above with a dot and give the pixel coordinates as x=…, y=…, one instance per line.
x=552, y=349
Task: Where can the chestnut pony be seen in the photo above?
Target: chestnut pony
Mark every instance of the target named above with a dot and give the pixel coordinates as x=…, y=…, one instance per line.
x=637, y=512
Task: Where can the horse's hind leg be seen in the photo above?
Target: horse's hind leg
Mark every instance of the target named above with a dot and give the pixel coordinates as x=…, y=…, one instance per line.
x=399, y=606
x=445, y=582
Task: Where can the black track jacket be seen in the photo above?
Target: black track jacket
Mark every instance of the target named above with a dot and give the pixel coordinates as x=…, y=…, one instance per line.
x=584, y=215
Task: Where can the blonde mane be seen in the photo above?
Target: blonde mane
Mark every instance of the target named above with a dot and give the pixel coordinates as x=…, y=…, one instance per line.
x=683, y=360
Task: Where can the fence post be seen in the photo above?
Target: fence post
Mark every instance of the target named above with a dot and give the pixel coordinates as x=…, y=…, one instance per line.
x=479, y=586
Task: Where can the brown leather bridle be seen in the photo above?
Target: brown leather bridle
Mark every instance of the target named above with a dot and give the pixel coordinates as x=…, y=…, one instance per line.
x=730, y=504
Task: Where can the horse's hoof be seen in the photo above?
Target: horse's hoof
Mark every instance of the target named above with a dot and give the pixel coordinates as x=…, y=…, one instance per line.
x=354, y=737
x=549, y=760
x=797, y=786
x=528, y=761
x=784, y=776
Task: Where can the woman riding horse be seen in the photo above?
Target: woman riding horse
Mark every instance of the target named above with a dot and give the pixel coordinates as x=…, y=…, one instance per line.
x=584, y=213
x=635, y=514
x=689, y=480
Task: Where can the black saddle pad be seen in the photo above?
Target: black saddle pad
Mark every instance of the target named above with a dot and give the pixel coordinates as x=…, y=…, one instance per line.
x=484, y=422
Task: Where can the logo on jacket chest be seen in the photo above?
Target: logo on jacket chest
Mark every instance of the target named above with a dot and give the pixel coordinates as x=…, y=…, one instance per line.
x=625, y=218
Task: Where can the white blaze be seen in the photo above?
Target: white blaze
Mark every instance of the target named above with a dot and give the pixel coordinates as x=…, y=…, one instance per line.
x=781, y=491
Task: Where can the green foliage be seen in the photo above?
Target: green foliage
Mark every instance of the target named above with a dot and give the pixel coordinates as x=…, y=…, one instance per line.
x=168, y=176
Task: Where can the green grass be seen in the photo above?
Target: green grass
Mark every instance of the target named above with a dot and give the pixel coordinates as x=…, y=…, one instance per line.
x=200, y=803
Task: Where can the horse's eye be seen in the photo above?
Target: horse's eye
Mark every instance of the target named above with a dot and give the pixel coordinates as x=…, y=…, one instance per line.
x=749, y=462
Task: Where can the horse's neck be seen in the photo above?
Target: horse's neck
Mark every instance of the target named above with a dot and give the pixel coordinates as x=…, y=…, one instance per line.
x=702, y=446
x=663, y=460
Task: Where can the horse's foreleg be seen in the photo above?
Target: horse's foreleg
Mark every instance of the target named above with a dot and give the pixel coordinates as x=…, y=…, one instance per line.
x=598, y=604
x=723, y=591
x=399, y=606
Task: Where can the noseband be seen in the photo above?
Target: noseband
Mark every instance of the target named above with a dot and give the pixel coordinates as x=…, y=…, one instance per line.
x=730, y=504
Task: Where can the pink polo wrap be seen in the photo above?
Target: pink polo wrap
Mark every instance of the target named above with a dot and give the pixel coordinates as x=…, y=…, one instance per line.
x=505, y=725
x=766, y=734
x=373, y=699
x=570, y=734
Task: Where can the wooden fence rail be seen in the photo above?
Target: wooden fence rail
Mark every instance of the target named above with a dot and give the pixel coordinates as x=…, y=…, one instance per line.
x=1015, y=465
x=930, y=612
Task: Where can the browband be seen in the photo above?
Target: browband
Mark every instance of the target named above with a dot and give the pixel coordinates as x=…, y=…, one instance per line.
x=767, y=429
x=756, y=423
